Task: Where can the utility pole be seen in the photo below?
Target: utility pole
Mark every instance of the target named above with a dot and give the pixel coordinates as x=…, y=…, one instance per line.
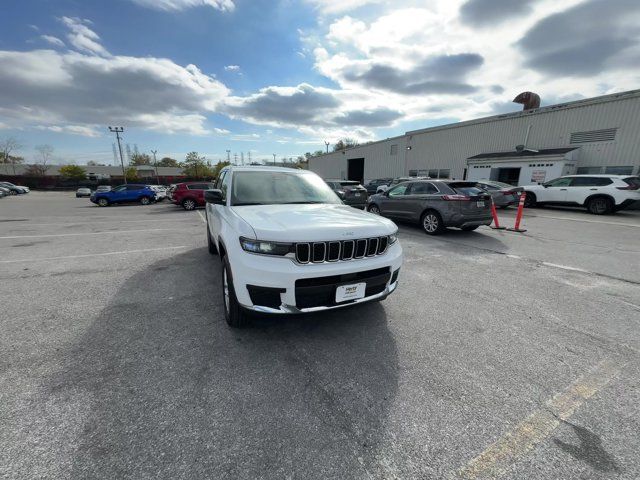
x=155, y=164
x=235, y=159
x=327, y=144
x=229, y=156
x=249, y=155
x=118, y=131
x=274, y=159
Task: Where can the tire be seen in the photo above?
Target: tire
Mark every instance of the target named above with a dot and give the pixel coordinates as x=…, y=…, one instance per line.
x=530, y=200
x=431, y=222
x=470, y=228
x=13, y=192
x=145, y=200
x=374, y=209
x=600, y=206
x=212, y=246
x=103, y=202
x=234, y=314
x=189, y=204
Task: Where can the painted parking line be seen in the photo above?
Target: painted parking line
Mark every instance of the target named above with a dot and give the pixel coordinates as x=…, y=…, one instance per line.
x=496, y=459
x=583, y=220
x=201, y=216
x=87, y=233
x=89, y=222
x=88, y=255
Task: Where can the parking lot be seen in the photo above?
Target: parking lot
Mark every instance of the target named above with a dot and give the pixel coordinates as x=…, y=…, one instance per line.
x=500, y=355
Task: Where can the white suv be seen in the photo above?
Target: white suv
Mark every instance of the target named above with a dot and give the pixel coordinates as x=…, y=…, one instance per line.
x=289, y=245
x=599, y=194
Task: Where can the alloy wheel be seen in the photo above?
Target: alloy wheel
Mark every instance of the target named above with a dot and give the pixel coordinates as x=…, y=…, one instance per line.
x=430, y=223
x=189, y=205
x=374, y=209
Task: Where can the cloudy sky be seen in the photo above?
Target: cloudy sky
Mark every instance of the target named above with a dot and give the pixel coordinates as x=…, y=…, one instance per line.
x=283, y=76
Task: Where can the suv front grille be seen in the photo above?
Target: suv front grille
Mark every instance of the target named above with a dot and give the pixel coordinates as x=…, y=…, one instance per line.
x=319, y=252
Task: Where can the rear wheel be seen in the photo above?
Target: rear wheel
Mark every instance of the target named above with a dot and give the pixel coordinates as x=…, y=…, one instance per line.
x=374, y=209
x=103, y=202
x=432, y=222
x=189, y=204
x=600, y=206
x=234, y=314
x=145, y=200
x=470, y=228
x=530, y=200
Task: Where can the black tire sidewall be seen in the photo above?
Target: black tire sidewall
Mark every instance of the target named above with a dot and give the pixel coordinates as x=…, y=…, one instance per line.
x=235, y=316
x=608, y=209
x=440, y=227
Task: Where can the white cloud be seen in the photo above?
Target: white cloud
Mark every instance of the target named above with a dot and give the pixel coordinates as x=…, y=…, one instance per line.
x=82, y=37
x=340, y=6
x=82, y=130
x=221, y=131
x=232, y=68
x=45, y=87
x=169, y=5
x=55, y=41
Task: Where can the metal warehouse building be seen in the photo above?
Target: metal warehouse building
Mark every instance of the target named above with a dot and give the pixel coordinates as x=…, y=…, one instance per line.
x=595, y=135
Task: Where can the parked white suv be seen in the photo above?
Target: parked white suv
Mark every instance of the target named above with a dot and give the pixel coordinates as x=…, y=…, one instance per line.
x=599, y=194
x=289, y=245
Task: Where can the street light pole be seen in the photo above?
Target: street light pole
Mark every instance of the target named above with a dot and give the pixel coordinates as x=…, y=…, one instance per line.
x=155, y=164
x=274, y=159
x=327, y=144
x=118, y=131
x=229, y=156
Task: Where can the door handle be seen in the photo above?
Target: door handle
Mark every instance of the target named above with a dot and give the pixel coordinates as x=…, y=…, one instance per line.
x=593, y=189
x=563, y=189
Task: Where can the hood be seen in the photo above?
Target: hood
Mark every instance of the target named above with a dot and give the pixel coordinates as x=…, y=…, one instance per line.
x=312, y=222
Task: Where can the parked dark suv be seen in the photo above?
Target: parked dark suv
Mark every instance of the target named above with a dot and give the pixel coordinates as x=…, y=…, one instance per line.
x=436, y=204
x=350, y=192
x=190, y=194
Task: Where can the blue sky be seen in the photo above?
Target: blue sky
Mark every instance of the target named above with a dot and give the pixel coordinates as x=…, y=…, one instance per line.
x=283, y=76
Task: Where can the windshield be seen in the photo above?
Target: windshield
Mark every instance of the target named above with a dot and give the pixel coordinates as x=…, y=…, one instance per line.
x=267, y=188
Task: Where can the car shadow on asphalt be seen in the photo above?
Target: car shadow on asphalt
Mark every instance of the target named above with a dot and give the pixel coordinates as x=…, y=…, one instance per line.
x=477, y=238
x=163, y=387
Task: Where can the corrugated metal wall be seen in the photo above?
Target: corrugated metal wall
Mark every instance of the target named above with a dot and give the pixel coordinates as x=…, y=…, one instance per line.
x=450, y=146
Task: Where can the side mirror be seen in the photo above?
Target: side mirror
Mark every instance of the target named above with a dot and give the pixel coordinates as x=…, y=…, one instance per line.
x=213, y=196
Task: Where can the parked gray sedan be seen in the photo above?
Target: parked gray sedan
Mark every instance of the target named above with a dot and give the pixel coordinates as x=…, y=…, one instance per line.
x=503, y=194
x=436, y=204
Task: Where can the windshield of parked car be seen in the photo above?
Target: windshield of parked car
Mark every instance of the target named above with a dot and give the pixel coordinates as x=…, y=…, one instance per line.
x=268, y=188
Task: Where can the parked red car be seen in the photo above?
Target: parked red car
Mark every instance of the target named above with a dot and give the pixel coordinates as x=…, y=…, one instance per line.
x=189, y=194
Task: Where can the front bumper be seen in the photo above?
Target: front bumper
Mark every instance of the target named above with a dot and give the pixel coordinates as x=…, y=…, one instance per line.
x=281, y=274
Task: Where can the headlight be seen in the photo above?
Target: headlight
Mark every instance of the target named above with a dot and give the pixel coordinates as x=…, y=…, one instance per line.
x=265, y=247
x=393, y=238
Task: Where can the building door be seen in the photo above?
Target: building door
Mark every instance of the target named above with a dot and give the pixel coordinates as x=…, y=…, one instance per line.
x=509, y=175
x=356, y=169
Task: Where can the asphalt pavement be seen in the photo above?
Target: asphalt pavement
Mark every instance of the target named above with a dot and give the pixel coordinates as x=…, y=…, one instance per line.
x=501, y=355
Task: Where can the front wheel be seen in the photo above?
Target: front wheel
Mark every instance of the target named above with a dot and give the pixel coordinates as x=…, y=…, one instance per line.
x=374, y=209
x=432, y=223
x=189, y=204
x=145, y=200
x=530, y=200
x=103, y=202
x=234, y=314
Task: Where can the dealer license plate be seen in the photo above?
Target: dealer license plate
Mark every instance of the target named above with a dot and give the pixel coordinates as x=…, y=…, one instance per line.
x=480, y=204
x=350, y=292
x=356, y=194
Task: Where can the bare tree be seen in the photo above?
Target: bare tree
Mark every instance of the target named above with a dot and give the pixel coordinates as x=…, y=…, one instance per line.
x=45, y=154
x=6, y=147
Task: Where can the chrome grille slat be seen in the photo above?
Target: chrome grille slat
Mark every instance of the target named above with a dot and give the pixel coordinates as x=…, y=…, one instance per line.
x=340, y=250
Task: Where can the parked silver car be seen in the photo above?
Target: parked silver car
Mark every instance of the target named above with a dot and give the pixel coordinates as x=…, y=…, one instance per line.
x=503, y=194
x=436, y=204
x=83, y=192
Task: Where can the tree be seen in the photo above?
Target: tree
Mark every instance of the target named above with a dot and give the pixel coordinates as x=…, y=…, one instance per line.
x=45, y=152
x=93, y=163
x=140, y=159
x=168, y=162
x=344, y=143
x=194, y=166
x=73, y=172
x=7, y=146
x=132, y=174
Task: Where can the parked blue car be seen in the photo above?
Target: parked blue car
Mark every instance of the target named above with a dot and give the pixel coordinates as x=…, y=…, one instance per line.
x=130, y=193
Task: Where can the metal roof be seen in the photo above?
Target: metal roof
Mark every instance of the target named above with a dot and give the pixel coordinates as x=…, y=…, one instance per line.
x=525, y=153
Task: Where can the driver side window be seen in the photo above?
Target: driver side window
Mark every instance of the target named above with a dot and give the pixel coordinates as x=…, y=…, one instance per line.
x=120, y=188
x=398, y=190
